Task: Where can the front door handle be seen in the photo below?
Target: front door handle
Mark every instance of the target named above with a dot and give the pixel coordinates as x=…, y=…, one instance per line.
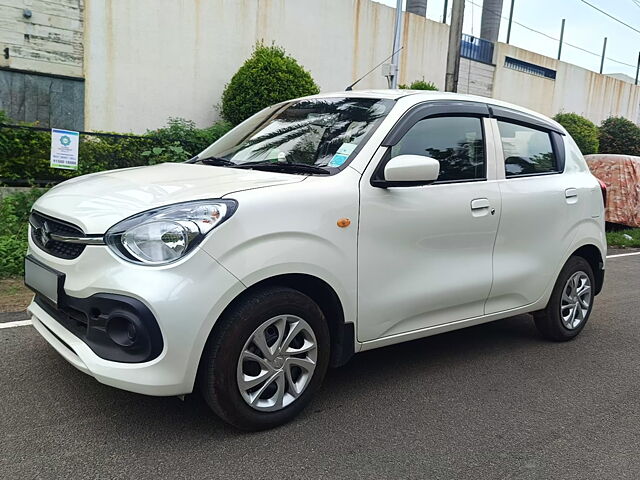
x=480, y=203
x=480, y=207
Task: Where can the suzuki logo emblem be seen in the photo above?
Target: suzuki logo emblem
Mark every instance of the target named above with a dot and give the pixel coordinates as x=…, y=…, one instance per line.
x=45, y=233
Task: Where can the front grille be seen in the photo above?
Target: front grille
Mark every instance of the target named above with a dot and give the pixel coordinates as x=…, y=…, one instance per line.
x=42, y=226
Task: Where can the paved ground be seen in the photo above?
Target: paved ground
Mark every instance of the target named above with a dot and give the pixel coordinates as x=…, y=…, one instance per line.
x=494, y=401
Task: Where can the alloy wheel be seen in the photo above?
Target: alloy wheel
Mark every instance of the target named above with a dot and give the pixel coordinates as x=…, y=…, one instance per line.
x=277, y=363
x=576, y=300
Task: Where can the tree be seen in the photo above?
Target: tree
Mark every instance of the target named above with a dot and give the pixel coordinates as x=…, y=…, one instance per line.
x=269, y=76
x=619, y=135
x=584, y=132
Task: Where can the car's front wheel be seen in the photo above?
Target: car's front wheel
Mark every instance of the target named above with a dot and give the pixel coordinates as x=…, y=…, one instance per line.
x=265, y=360
x=570, y=303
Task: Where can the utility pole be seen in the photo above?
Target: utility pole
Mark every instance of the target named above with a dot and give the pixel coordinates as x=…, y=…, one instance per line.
x=638, y=68
x=561, y=39
x=453, y=55
x=444, y=13
x=397, y=37
x=604, y=51
x=510, y=21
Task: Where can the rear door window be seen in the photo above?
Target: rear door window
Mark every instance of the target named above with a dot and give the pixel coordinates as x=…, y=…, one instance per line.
x=527, y=151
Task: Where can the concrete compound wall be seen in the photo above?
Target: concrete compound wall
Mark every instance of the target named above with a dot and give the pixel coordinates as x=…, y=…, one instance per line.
x=575, y=89
x=147, y=60
x=151, y=59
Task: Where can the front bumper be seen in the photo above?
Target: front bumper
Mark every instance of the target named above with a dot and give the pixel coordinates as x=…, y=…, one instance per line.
x=186, y=298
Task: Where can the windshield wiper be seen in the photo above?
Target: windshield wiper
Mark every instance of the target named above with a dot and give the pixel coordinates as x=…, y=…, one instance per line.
x=216, y=162
x=287, y=167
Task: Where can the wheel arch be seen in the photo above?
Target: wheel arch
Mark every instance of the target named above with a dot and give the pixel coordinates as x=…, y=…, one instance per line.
x=593, y=255
x=342, y=334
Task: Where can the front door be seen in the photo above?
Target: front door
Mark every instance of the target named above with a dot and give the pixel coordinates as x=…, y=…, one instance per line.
x=425, y=252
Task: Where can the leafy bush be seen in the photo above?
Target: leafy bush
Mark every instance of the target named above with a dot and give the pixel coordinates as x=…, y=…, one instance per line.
x=14, y=217
x=170, y=153
x=419, y=85
x=187, y=135
x=24, y=153
x=269, y=76
x=584, y=132
x=619, y=135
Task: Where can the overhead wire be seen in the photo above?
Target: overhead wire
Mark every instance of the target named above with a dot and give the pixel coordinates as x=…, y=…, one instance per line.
x=610, y=16
x=499, y=14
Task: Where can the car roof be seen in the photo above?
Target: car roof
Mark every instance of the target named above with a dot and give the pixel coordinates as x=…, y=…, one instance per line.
x=418, y=96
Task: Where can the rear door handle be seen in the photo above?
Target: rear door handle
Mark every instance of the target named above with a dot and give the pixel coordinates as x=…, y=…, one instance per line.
x=480, y=203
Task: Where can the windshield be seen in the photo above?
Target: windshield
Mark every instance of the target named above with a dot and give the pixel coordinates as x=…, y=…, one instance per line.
x=320, y=132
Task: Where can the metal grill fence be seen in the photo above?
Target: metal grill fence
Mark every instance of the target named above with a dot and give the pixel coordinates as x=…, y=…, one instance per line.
x=530, y=68
x=477, y=49
x=25, y=154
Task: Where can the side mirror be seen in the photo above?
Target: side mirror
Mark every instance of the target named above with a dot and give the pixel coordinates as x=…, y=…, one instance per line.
x=410, y=170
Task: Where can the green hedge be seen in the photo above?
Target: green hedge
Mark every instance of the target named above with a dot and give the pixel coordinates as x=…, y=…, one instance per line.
x=419, y=85
x=619, y=135
x=14, y=217
x=24, y=153
x=584, y=132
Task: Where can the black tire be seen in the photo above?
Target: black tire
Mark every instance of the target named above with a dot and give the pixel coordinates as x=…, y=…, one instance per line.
x=549, y=321
x=218, y=366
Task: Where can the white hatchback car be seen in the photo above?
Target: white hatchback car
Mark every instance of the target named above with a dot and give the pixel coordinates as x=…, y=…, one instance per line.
x=318, y=228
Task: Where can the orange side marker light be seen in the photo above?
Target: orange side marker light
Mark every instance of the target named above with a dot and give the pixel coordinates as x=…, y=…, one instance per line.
x=343, y=222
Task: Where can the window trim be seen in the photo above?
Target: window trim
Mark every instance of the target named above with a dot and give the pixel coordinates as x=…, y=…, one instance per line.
x=555, y=139
x=424, y=111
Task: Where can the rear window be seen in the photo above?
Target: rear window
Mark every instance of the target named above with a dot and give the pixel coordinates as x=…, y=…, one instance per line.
x=527, y=151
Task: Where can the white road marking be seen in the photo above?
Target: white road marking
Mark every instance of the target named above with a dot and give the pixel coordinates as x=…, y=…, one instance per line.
x=623, y=255
x=24, y=323
x=19, y=323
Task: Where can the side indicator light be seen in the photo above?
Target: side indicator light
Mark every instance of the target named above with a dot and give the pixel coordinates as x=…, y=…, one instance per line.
x=343, y=222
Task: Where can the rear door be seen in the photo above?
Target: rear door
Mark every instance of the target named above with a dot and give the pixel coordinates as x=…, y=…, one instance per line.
x=539, y=208
x=425, y=252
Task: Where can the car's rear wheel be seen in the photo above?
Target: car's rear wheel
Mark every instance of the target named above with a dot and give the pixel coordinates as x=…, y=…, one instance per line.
x=265, y=360
x=570, y=304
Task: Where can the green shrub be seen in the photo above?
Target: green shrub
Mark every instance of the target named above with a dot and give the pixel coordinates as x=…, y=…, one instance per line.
x=14, y=217
x=187, y=135
x=419, y=85
x=584, y=132
x=24, y=153
x=170, y=153
x=619, y=135
x=269, y=76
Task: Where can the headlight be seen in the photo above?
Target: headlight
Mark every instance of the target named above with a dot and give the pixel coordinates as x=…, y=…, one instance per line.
x=166, y=234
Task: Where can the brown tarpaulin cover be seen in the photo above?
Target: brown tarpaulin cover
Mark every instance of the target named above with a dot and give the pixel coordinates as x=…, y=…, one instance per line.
x=621, y=174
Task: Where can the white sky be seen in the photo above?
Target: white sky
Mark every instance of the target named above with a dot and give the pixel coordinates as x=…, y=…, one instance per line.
x=585, y=28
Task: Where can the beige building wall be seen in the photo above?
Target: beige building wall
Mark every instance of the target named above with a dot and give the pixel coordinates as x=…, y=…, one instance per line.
x=147, y=60
x=50, y=42
x=575, y=89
